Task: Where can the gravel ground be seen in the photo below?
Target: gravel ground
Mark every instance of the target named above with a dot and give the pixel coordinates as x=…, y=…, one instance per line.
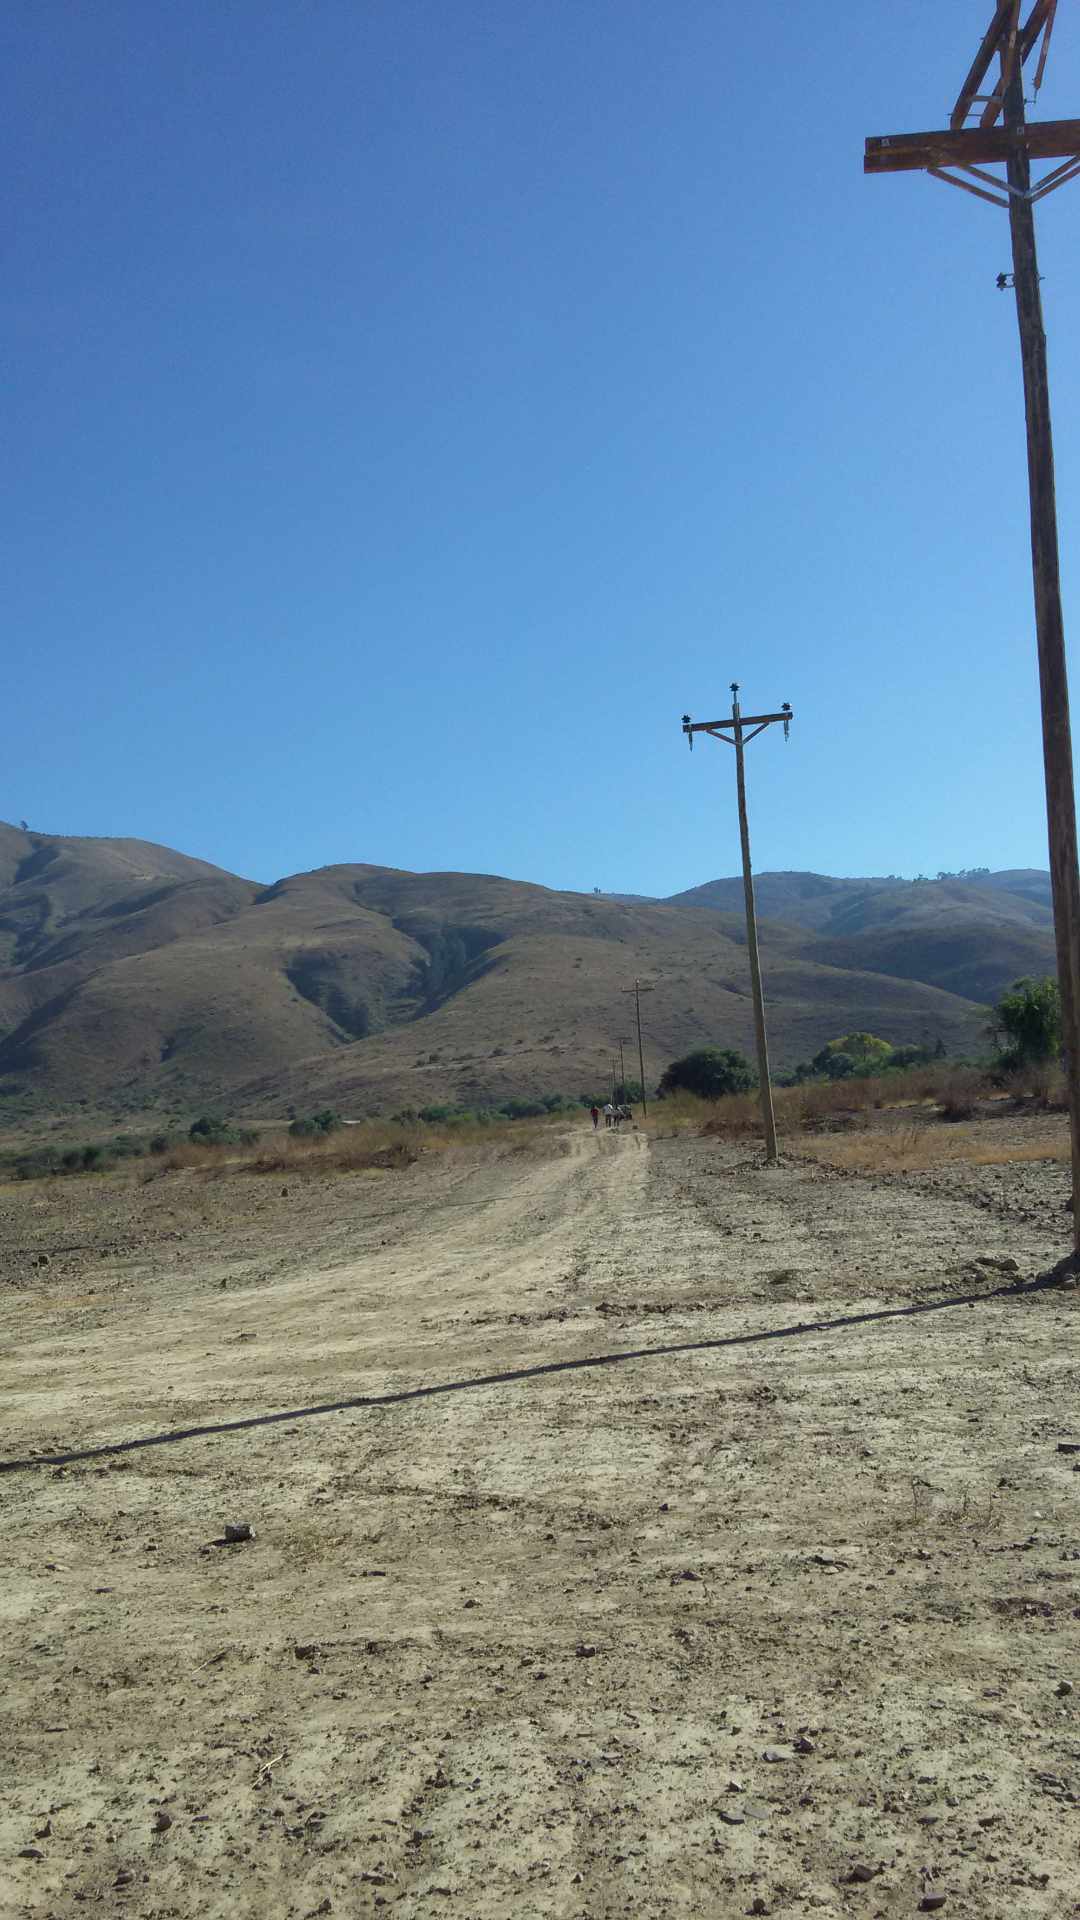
x=727, y=1563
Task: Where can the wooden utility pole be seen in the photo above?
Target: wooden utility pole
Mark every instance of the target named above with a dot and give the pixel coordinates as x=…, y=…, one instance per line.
x=967, y=150
x=734, y=732
x=637, y=990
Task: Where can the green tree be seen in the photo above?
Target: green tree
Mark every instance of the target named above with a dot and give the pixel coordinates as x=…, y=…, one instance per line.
x=1027, y=1023
x=710, y=1072
x=836, y=1065
x=864, y=1049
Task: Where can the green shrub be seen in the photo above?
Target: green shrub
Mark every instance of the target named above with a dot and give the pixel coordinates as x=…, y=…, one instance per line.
x=1027, y=1023
x=210, y=1131
x=710, y=1073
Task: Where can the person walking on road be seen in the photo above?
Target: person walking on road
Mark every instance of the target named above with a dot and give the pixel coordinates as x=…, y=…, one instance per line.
x=595, y=1118
x=609, y=1115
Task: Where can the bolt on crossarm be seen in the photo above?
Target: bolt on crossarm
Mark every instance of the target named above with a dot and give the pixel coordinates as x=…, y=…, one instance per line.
x=734, y=731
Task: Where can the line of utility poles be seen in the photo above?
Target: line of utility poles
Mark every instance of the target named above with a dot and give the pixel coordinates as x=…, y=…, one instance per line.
x=735, y=733
x=969, y=151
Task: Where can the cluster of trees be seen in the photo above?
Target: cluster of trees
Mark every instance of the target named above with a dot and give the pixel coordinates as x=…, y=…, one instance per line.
x=1026, y=1030
x=860, y=1054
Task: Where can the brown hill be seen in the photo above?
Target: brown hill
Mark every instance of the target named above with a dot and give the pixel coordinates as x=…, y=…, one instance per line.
x=824, y=904
x=134, y=977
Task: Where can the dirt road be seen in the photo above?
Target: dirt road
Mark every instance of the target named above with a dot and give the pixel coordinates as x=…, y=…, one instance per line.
x=781, y=1620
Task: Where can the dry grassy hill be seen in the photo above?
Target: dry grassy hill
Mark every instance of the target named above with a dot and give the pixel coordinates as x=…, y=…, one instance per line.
x=133, y=977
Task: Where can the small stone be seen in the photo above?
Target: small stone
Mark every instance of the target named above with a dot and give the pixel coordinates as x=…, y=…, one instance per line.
x=284, y=1193
x=758, y=1905
x=687, y=1574
x=732, y=1817
x=756, y=1809
x=43, y=1260
x=803, y=1745
x=162, y=1821
x=305, y=1652
x=31, y=1853
x=862, y=1875
x=583, y=1651
x=931, y=1902
x=236, y=1531
x=1064, y=1688
x=773, y=1755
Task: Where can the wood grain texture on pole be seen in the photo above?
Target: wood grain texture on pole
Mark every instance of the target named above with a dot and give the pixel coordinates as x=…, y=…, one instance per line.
x=640, y=1049
x=765, y=1085
x=1049, y=620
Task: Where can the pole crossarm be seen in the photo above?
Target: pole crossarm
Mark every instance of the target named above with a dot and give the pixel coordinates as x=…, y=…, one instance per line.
x=758, y=720
x=970, y=146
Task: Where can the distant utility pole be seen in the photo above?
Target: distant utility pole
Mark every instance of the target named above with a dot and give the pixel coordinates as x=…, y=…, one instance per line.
x=622, y=1074
x=970, y=151
x=734, y=732
x=637, y=990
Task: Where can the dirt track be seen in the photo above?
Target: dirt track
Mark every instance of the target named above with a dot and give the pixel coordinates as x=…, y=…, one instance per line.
x=527, y=1647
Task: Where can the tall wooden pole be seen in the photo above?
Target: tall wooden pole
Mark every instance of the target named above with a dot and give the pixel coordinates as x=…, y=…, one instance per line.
x=1049, y=622
x=640, y=1049
x=637, y=990
x=764, y=1083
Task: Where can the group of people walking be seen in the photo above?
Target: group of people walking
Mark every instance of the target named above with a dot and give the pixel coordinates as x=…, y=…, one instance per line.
x=613, y=1116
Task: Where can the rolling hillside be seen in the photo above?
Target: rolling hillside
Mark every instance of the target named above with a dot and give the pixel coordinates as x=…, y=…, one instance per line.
x=133, y=978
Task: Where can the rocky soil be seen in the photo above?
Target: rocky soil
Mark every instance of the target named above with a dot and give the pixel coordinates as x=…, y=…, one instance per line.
x=707, y=1541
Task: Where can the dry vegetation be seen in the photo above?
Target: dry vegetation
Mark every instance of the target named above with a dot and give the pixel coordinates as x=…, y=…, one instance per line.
x=353, y=1149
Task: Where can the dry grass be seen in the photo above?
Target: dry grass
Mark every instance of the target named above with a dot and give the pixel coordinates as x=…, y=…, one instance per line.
x=918, y=1149
x=942, y=1092
x=355, y=1149
x=824, y=1116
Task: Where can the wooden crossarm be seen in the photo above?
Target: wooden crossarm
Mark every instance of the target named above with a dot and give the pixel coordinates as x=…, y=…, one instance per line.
x=969, y=146
x=746, y=720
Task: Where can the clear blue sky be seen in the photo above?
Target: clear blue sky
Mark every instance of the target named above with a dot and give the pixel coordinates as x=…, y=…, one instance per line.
x=413, y=408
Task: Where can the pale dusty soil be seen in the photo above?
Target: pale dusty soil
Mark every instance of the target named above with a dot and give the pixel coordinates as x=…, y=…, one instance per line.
x=522, y=1648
